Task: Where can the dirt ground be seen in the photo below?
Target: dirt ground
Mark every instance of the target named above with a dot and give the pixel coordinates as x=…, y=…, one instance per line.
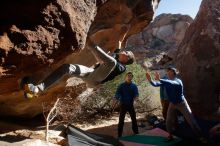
x=12, y=131
x=109, y=125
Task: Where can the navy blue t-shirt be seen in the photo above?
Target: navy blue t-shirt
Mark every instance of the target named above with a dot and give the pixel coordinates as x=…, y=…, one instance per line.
x=126, y=92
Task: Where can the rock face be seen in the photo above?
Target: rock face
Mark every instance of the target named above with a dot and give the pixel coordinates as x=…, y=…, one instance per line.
x=163, y=35
x=38, y=36
x=199, y=61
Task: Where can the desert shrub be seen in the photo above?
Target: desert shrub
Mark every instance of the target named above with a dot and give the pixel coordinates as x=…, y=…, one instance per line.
x=100, y=102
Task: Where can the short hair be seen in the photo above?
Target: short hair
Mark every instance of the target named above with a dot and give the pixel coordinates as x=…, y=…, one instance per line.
x=129, y=73
x=173, y=69
x=131, y=57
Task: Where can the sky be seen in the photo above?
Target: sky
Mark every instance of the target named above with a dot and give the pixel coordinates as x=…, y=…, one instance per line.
x=189, y=7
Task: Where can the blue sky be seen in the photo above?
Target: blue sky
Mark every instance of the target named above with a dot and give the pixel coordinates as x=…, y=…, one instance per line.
x=189, y=7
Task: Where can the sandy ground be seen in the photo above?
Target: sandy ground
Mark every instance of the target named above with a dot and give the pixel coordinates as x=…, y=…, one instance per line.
x=109, y=126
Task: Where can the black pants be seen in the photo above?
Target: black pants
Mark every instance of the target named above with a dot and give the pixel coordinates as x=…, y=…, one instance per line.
x=123, y=110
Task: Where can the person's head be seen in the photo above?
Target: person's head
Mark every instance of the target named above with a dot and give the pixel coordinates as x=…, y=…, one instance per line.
x=128, y=77
x=171, y=72
x=126, y=57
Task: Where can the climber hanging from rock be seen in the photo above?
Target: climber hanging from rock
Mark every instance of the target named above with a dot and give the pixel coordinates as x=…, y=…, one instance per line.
x=108, y=67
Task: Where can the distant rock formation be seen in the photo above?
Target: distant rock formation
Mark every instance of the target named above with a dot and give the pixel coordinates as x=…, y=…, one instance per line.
x=199, y=61
x=160, y=38
x=38, y=36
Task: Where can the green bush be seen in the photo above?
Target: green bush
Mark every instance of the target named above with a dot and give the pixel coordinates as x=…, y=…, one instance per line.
x=100, y=102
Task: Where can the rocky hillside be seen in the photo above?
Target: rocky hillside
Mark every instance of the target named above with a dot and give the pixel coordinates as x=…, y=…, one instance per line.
x=38, y=36
x=199, y=61
x=160, y=38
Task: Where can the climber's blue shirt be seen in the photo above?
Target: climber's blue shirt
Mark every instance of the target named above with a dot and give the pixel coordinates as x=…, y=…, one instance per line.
x=126, y=93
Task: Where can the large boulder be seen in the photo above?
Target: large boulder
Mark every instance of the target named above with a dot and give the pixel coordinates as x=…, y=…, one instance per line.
x=34, y=37
x=199, y=61
x=37, y=36
x=161, y=37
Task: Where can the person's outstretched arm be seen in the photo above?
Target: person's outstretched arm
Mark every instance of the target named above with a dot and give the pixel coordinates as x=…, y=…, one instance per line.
x=169, y=82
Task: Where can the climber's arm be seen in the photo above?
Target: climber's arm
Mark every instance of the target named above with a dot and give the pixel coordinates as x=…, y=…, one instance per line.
x=122, y=35
x=99, y=54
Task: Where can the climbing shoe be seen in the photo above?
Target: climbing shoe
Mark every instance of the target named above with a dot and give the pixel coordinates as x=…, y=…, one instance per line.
x=30, y=91
x=29, y=95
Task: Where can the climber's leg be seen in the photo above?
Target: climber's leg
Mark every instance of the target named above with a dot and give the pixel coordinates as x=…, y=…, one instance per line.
x=65, y=69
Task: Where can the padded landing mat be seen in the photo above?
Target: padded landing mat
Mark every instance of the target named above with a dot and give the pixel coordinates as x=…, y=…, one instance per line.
x=154, y=137
x=78, y=137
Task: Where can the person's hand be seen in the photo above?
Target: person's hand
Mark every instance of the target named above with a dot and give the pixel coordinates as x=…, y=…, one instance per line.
x=119, y=44
x=148, y=76
x=114, y=102
x=157, y=76
x=136, y=99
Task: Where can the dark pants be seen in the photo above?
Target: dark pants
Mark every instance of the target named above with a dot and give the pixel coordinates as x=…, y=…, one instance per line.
x=123, y=110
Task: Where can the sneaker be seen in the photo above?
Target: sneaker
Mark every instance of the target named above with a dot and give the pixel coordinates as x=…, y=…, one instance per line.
x=30, y=91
